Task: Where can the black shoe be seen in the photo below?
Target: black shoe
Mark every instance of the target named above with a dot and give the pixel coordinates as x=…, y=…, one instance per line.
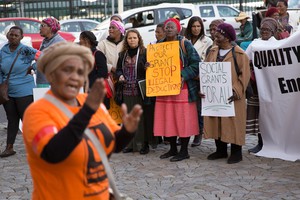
x=127, y=150
x=255, y=149
x=168, y=155
x=180, y=157
x=197, y=140
x=235, y=158
x=144, y=149
x=217, y=155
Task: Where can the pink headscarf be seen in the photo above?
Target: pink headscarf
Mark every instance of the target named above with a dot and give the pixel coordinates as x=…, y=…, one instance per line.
x=119, y=25
x=52, y=23
x=175, y=21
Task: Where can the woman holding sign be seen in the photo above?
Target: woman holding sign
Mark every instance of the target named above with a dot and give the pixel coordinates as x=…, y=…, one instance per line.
x=229, y=129
x=131, y=69
x=176, y=115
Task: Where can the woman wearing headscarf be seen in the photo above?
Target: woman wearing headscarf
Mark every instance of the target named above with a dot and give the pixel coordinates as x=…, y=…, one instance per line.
x=195, y=32
x=20, y=85
x=88, y=39
x=63, y=161
x=49, y=30
x=229, y=129
x=113, y=44
x=176, y=115
x=269, y=32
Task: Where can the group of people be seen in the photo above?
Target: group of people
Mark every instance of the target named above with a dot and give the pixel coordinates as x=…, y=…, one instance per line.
x=58, y=149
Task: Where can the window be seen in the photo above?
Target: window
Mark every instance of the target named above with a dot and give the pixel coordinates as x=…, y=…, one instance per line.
x=207, y=11
x=87, y=26
x=71, y=27
x=166, y=13
x=226, y=11
x=30, y=26
x=140, y=19
x=186, y=13
x=3, y=25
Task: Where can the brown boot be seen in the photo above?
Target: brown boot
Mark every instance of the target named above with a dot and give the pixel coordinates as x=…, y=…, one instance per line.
x=9, y=151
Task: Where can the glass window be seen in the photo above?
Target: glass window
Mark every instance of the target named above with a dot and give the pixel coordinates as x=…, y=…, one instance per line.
x=226, y=11
x=207, y=11
x=3, y=25
x=30, y=26
x=186, y=13
x=166, y=13
x=144, y=18
x=87, y=26
x=70, y=27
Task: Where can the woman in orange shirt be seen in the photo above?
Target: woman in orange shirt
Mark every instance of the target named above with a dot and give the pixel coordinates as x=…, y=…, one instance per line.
x=63, y=161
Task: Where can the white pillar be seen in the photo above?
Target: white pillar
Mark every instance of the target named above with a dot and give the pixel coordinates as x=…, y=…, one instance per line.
x=120, y=6
x=113, y=7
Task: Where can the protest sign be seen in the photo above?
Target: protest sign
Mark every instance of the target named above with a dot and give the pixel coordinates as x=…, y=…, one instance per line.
x=163, y=74
x=216, y=84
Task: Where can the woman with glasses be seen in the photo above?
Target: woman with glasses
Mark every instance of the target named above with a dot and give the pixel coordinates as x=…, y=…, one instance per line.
x=269, y=32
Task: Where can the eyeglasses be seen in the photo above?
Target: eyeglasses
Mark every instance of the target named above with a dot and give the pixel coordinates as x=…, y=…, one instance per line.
x=43, y=25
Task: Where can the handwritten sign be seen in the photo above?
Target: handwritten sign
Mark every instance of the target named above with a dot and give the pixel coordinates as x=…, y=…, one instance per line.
x=163, y=75
x=115, y=111
x=216, y=84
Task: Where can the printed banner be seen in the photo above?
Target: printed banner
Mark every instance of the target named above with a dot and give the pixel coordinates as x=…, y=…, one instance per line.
x=216, y=84
x=277, y=72
x=163, y=74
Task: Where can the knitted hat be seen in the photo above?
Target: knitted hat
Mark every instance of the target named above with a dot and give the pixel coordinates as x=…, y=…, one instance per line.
x=271, y=23
x=119, y=25
x=177, y=23
x=52, y=23
x=56, y=54
x=227, y=30
x=271, y=11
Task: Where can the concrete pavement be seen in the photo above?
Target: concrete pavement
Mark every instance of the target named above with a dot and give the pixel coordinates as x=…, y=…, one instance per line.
x=148, y=177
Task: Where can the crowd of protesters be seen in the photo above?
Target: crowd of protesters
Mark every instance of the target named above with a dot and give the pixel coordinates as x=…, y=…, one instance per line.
x=122, y=56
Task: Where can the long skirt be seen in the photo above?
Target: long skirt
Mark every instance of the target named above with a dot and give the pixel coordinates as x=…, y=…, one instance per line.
x=175, y=116
x=138, y=140
x=252, y=126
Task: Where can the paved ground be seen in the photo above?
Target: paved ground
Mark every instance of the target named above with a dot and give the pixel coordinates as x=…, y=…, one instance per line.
x=148, y=177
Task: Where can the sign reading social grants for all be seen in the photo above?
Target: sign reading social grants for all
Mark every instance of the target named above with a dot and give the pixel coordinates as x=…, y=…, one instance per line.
x=163, y=74
x=215, y=83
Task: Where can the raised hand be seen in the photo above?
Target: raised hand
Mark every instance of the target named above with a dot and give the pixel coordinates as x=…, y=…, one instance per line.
x=131, y=120
x=96, y=94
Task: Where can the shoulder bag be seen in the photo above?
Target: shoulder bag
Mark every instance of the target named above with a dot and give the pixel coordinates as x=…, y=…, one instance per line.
x=114, y=192
x=4, y=86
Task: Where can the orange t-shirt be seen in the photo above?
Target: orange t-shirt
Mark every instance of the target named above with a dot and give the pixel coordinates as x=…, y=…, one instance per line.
x=81, y=175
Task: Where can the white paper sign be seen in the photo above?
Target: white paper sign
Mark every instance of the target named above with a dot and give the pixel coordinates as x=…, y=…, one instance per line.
x=216, y=85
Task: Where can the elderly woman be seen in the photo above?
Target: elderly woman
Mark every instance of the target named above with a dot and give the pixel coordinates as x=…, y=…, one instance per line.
x=268, y=30
x=177, y=115
x=20, y=82
x=64, y=163
x=229, y=129
x=246, y=29
x=49, y=30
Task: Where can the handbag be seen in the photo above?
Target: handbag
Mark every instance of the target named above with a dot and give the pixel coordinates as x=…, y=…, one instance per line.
x=119, y=93
x=109, y=84
x=114, y=192
x=4, y=86
x=110, y=88
x=249, y=90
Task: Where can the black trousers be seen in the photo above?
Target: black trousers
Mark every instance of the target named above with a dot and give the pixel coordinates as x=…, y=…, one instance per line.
x=15, y=109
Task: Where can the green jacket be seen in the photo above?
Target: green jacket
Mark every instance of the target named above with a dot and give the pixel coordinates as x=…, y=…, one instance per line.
x=246, y=33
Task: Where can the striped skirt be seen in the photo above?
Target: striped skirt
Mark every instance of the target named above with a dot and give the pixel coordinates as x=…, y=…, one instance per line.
x=252, y=126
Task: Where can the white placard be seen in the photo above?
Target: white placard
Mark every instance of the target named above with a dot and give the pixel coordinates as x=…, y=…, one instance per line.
x=216, y=84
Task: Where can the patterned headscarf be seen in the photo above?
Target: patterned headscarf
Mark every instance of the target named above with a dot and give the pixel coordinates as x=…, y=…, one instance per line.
x=271, y=23
x=119, y=25
x=52, y=23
